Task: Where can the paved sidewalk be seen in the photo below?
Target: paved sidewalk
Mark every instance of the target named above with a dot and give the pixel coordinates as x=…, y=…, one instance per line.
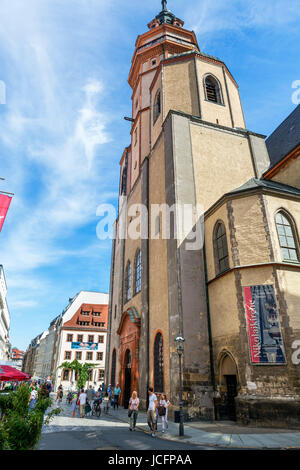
x=215, y=434
x=221, y=434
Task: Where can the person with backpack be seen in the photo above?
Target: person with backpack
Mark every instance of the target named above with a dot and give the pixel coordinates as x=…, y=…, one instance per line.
x=163, y=406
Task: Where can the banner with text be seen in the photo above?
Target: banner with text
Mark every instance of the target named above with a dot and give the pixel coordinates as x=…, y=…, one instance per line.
x=264, y=333
x=85, y=346
x=4, y=206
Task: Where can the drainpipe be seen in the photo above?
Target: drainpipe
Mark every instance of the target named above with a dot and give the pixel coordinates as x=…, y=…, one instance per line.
x=148, y=284
x=211, y=356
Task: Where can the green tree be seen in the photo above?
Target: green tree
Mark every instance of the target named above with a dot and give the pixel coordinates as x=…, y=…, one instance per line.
x=21, y=427
x=81, y=369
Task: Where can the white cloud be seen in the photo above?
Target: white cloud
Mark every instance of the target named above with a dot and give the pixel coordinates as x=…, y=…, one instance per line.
x=211, y=17
x=53, y=127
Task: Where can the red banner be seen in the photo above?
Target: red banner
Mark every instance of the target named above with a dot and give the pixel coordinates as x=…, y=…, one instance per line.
x=253, y=326
x=4, y=206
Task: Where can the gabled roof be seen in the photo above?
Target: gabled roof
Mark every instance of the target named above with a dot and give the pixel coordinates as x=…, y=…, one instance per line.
x=255, y=183
x=285, y=138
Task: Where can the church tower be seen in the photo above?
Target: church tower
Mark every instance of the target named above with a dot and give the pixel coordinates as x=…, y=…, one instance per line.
x=189, y=146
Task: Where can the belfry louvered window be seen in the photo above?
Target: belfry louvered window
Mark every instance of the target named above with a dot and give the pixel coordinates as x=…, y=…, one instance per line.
x=159, y=363
x=113, y=369
x=221, y=249
x=213, y=90
x=287, y=238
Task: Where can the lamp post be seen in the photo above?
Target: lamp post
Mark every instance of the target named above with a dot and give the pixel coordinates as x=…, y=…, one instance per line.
x=179, y=344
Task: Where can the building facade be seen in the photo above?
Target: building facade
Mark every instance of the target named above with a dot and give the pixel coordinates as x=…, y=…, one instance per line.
x=5, y=347
x=17, y=358
x=31, y=357
x=228, y=280
x=82, y=332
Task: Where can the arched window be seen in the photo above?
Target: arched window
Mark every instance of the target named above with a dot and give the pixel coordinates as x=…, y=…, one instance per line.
x=138, y=272
x=157, y=106
x=128, y=283
x=212, y=89
x=220, y=248
x=287, y=238
x=113, y=368
x=159, y=363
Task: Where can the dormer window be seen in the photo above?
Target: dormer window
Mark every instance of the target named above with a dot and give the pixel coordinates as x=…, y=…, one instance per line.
x=213, y=90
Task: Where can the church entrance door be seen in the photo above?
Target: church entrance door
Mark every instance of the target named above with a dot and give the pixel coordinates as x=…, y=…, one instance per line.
x=127, y=387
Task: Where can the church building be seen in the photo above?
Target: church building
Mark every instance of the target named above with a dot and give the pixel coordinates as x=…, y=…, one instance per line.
x=235, y=297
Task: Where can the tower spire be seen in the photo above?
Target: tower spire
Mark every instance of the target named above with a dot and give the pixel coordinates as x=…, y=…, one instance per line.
x=164, y=5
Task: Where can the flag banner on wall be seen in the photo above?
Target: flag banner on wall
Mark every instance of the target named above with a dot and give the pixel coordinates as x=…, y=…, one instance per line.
x=85, y=346
x=264, y=333
x=4, y=206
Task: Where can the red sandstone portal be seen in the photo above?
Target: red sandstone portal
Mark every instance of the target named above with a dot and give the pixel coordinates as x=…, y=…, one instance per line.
x=129, y=331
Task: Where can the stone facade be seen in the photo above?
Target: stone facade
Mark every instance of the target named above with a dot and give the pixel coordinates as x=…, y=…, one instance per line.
x=190, y=149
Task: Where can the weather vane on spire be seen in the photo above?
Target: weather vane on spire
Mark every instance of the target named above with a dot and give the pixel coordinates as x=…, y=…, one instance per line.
x=164, y=5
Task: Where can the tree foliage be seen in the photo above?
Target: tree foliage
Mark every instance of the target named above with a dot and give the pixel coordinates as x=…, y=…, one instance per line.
x=81, y=369
x=21, y=427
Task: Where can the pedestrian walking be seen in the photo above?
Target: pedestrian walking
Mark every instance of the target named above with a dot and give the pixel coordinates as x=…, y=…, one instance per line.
x=117, y=392
x=49, y=387
x=82, y=401
x=33, y=399
x=33, y=386
x=106, y=402
x=156, y=411
x=74, y=404
x=109, y=391
x=163, y=405
x=151, y=413
x=91, y=396
x=133, y=410
x=59, y=394
x=45, y=391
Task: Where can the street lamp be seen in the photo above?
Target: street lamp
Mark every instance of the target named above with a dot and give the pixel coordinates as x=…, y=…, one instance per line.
x=179, y=345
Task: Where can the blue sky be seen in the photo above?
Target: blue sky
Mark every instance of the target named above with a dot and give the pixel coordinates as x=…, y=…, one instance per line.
x=65, y=64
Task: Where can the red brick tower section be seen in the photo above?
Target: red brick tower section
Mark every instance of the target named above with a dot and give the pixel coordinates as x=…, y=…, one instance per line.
x=166, y=37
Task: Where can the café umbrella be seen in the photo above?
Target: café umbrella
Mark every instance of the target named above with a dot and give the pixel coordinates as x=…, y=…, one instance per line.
x=10, y=373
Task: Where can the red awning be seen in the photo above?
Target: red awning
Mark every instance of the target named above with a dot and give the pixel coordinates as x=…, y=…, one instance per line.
x=10, y=373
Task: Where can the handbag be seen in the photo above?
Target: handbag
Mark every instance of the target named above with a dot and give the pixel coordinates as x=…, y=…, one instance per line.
x=161, y=410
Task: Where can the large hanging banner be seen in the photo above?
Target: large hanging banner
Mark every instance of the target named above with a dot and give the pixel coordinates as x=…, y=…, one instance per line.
x=4, y=206
x=265, y=339
x=85, y=346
